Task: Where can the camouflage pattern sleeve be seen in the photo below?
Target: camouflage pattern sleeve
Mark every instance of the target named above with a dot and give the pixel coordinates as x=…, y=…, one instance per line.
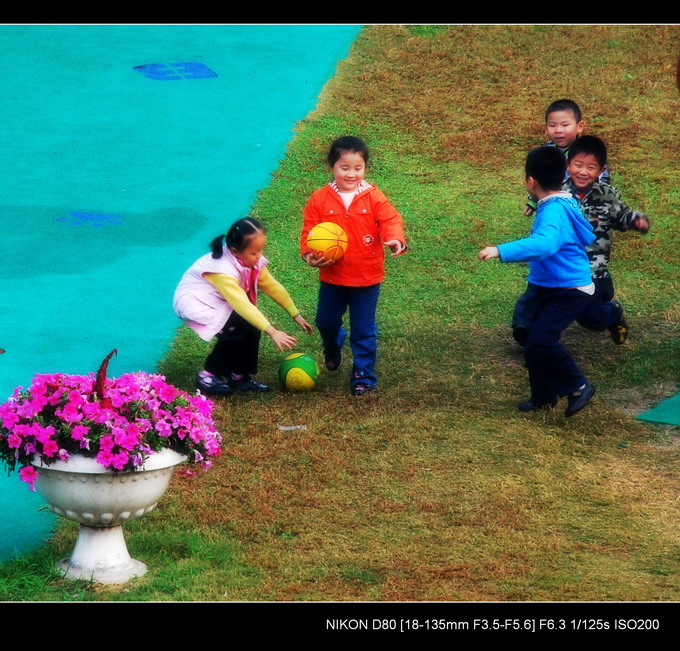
x=603, y=208
x=622, y=217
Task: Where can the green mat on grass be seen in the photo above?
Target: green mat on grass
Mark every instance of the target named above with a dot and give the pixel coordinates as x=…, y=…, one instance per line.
x=667, y=411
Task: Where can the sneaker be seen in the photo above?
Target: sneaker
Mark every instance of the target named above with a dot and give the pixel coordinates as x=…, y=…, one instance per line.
x=530, y=405
x=212, y=385
x=619, y=329
x=246, y=383
x=520, y=334
x=577, y=400
x=361, y=389
x=359, y=385
x=333, y=360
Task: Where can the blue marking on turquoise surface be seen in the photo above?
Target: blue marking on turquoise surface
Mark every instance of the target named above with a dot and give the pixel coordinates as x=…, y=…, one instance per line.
x=176, y=71
x=92, y=218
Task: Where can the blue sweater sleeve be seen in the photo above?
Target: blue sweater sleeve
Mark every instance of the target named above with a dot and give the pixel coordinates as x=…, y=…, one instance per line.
x=545, y=240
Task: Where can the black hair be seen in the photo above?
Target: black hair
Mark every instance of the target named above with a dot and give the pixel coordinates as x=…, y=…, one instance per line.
x=564, y=105
x=589, y=145
x=238, y=236
x=547, y=166
x=347, y=143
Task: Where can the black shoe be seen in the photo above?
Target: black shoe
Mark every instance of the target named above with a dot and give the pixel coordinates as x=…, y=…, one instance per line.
x=579, y=399
x=619, y=329
x=520, y=334
x=361, y=389
x=332, y=360
x=212, y=385
x=246, y=383
x=530, y=405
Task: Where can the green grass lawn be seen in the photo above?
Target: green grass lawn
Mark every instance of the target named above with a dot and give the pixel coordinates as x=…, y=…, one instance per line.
x=436, y=487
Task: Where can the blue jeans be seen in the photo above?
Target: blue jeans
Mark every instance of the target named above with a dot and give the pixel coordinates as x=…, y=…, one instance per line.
x=552, y=371
x=362, y=302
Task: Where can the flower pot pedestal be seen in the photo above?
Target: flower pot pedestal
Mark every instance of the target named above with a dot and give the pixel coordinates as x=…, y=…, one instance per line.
x=82, y=490
x=101, y=555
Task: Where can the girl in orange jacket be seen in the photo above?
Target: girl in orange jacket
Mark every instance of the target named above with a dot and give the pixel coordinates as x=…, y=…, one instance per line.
x=370, y=221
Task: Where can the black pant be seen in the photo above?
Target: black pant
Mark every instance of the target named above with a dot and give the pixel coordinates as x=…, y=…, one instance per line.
x=552, y=371
x=236, y=350
x=601, y=311
x=598, y=314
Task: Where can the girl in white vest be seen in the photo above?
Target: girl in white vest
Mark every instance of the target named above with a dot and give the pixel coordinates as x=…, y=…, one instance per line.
x=217, y=297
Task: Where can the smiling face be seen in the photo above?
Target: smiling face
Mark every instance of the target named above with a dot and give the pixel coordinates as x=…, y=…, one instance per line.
x=584, y=170
x=252, y=253
x=349, y=171
x=562, y=128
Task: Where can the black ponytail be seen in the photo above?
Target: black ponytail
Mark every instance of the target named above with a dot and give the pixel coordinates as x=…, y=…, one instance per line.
x=216, y=246
x=238, y=236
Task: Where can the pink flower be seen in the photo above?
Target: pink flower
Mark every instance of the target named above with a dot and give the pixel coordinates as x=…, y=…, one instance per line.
x=153, y=404
x=70, y=413
x=90, y=409
x=106, y=443
x=118, y=461
x=167, y=393
x=126, y=439
x=8, y=416
x=29, y=475
x=59, y=409
x=79, y=432
x=50, y=448
x=29, y=448
x=104, y=457
x=14, y=441
x=163, y=428
x=27, y=409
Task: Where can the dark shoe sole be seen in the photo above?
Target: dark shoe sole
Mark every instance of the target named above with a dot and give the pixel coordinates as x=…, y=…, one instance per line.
x=252, y=387
x=530, y=405
x=217, y=390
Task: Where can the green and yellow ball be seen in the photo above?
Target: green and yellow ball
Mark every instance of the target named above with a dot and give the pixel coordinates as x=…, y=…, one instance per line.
x=298, y=372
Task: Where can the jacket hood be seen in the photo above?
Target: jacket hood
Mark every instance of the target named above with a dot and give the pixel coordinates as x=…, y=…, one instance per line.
x=582, y=227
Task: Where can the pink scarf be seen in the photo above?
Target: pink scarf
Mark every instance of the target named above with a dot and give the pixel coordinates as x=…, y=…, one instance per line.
x=252, y=274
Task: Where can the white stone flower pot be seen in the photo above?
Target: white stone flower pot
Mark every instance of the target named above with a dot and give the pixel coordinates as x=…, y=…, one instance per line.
x=101, y=500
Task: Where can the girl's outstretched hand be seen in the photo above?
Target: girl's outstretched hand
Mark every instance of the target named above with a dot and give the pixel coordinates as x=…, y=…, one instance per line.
x=396, y=247
x=281, y=339
x=488, y=252
x=316, y=261
x=303, y=324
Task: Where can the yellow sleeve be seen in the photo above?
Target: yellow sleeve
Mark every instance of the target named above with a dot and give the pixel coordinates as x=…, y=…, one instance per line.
x=276, y=291
x=232, y=292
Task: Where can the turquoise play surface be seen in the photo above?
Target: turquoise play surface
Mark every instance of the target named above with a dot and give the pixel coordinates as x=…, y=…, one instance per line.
x=125, y=150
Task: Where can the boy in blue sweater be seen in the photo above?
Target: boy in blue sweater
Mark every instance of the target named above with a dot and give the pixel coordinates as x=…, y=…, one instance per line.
x=559, y=275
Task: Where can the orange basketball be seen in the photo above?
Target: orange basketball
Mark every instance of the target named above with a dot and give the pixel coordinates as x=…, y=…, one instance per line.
x=328, y=239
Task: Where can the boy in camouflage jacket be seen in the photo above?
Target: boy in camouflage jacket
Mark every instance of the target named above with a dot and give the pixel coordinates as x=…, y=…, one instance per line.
x=601, y=205
x=563, y=125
